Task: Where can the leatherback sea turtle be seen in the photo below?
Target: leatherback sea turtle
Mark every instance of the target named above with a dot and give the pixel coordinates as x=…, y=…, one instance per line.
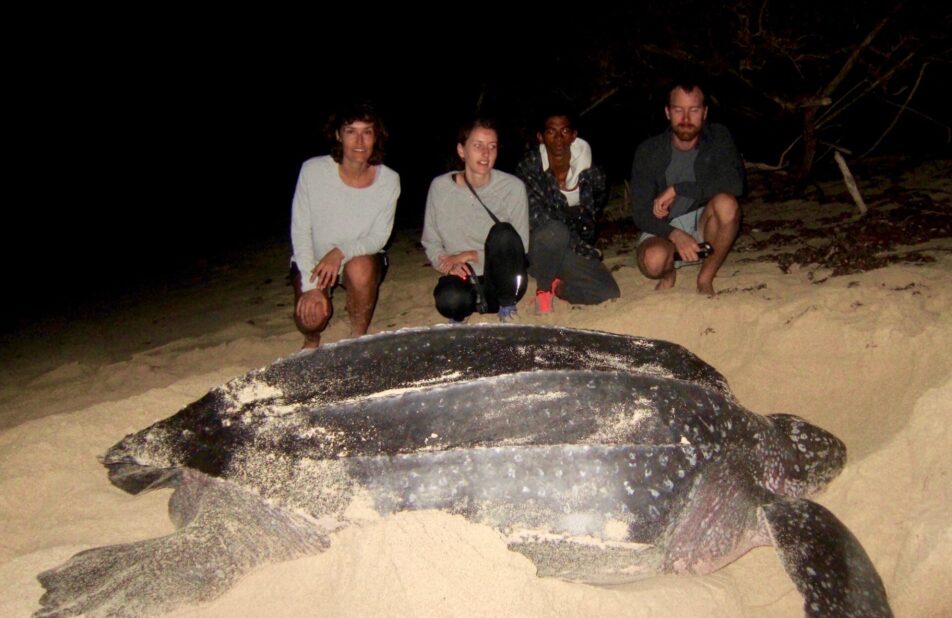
x=602, y=458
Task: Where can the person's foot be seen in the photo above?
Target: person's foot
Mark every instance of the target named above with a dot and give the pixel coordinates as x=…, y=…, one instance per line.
x=507, y=313
x=544, y=302
x=706, y=288
x=667, y=281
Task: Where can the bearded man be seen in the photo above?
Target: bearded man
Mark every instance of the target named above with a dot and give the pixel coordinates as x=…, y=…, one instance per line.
x=685, y=184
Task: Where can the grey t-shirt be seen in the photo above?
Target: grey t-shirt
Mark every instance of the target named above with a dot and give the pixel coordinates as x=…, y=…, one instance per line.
x=680, y=169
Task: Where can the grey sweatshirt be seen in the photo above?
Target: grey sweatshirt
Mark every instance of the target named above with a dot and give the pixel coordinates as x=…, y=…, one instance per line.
x=455, y=221
x=326, y=213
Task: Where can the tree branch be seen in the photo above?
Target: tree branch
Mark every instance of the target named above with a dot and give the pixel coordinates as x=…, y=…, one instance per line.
x=829, y=116
x=899, y=113
x=850, y=182
x=913, y=110
x=857, y=51
x=598, y=101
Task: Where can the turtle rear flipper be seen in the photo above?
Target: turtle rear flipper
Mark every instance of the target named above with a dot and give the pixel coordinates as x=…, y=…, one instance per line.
x=826, y=562
x=224, y=531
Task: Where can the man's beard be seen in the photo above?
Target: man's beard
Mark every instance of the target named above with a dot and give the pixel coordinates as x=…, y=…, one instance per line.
x=687, y=132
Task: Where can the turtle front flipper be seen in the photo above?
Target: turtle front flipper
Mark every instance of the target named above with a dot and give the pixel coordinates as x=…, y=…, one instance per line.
x=223, y=532
x=826, y=562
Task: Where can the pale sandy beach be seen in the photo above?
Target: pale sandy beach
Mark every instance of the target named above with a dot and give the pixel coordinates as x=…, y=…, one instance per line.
x=866, y=356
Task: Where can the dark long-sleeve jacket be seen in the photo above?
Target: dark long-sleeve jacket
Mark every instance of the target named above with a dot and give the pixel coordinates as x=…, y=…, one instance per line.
x=717, y=169
x=546, y=202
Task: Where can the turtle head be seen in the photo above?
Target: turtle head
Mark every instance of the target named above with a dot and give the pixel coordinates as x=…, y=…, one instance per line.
x=800, y=458
x=194, y=438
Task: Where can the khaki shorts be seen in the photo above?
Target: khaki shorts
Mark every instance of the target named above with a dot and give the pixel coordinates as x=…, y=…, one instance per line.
x=688, y=222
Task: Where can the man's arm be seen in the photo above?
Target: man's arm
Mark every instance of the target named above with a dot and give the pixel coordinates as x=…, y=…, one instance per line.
x=541, y=207
x=644, y=190
x=599, y=185
x=728, y=167
x=581, y=219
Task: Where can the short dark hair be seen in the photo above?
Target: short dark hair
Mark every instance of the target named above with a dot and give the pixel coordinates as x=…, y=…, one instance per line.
x=479, y=122
x=554, y=110
x=687, y=84
x=356, y=111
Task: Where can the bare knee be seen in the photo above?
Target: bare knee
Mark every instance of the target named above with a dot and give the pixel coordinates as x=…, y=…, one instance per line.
x=361, y=273
x=653, y=257
x=724, y=208
x=314, y=324
x=311, y=317
x=312, y=310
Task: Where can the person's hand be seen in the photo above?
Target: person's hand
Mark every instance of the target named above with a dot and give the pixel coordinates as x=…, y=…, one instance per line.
x=455, y=264
x=685, y=245
x=460, y=271
x=661, y=205
x=312, y=307
x=325, y=273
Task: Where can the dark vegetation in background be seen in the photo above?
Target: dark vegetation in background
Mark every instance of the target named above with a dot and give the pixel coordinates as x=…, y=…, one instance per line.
x=144, y=153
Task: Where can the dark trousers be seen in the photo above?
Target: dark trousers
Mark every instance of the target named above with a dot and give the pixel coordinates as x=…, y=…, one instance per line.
x=584, y=281
x=504, y=277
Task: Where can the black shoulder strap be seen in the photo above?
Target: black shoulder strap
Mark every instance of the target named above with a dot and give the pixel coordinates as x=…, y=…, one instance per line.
x=476, y=195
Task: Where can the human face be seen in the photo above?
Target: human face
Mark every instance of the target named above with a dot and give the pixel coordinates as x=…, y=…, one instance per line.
x=357, y=139
x=687, y=112
x=479, y=151
x=557, y=137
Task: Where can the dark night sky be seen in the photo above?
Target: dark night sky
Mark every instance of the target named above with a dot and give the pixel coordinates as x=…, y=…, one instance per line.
x=136, y=153
x=139, y=149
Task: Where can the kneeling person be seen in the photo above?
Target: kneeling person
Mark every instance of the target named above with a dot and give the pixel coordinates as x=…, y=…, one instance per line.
x=566, y=195
x=684, y=189
x=341, y=217
x=476, y=225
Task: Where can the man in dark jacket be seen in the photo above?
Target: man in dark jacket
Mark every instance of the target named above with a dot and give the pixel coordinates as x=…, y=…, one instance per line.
x=566, y=195
x=684, y=189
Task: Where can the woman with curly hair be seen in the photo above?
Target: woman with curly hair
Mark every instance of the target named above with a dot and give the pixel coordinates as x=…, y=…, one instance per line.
x=341, y=217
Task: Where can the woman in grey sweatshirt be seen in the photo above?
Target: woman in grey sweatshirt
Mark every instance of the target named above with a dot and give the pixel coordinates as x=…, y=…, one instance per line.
x=341, y=218
x=457, y=226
